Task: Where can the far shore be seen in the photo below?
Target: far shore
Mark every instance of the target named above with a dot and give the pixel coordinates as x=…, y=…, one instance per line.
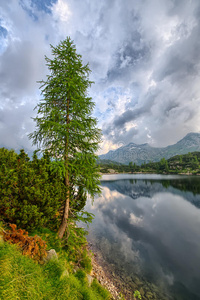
x=116, y=173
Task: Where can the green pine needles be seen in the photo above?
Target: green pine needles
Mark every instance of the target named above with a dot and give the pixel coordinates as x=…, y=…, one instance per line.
x=31, y=191
x=65, y=126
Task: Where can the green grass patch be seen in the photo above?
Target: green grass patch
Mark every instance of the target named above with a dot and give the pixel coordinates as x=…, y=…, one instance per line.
x=22, y=278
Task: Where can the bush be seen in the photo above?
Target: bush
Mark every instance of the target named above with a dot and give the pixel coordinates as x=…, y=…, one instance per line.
x=31, y=192
x=34, y=247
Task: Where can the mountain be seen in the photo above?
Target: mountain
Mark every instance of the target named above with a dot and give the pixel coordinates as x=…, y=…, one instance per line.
x=145, y=153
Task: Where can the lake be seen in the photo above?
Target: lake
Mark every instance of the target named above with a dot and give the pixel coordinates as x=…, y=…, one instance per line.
x=147, y=228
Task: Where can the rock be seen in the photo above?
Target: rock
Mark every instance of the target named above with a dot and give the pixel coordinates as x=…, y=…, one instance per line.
x=51, y=254
x=90, y=279
x=75, y=269
x=65, y=273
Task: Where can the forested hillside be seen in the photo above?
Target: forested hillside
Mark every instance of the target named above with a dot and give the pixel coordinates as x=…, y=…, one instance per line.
x=187, y=163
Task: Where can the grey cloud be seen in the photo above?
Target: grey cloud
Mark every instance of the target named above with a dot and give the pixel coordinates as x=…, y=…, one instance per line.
x=175, y=73
x=117, y=36
x=128, y=57
x=133, y=114
x=149, y=48
x=21, y=65
x=182, y=7
x=16, y=66
x=180, y=62
x=118, y=124
x=15, y=124
x=120, y=137
x=176, y=68
x=128, y=116
x=182, y=56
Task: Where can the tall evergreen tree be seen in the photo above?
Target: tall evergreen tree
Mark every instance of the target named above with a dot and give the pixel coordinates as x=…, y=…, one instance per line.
x=65, y=126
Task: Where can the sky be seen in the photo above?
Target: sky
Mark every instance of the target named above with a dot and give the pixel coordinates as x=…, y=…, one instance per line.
x=144, y=56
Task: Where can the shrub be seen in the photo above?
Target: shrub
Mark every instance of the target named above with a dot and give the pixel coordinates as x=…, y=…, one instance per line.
x=34, y=247
x=31, y=192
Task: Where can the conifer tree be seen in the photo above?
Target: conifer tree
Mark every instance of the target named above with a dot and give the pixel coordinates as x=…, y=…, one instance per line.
x=65, y=126
x=30, y=190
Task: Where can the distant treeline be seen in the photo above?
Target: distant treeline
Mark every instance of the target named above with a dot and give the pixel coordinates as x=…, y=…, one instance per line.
x=187, y=163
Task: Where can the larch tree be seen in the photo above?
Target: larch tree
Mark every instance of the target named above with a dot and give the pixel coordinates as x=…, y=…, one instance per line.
x=66, y=128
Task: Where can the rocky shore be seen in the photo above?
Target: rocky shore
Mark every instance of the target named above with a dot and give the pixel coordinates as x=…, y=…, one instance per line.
x=121, y=286
x=111, y=281
x=103, y=277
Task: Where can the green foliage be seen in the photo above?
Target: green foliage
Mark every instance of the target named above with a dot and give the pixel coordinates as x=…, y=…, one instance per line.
x=31, y=192
x=81, y=275
x=76, y=247
x=121, y=296
x=100, y=290
x=50, y=237
x=73, y=250
x=54, y=268
x=137, y=295
x=33, y=198
x=187, y=163
x=65, y=126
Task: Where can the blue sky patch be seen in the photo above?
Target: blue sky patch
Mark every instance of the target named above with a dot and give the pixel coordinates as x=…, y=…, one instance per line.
x=44, y=4
x=29, y=9
x=3, y=32
x=3, y=35
x=37, y=5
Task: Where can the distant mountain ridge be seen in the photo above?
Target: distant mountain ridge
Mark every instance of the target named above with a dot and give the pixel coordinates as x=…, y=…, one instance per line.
x=145, y=153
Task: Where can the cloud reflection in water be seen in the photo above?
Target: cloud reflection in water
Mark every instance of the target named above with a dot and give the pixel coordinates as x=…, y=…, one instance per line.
x=150, y=230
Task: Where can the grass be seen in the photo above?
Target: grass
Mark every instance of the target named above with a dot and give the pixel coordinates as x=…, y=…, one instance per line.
x=22, y=278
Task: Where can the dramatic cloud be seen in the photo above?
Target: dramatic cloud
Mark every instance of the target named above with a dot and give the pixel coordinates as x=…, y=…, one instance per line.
x=144, y=57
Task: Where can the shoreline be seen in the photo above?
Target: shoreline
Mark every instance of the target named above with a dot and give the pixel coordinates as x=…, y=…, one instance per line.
x=106, y=276
x=99, y=272
x=149, y=173
x=119, y=285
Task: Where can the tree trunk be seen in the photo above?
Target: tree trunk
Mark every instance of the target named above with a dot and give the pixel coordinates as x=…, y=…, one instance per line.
x=63, y=225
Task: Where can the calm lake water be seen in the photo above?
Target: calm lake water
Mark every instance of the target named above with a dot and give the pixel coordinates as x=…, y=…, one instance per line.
x=147, y=228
